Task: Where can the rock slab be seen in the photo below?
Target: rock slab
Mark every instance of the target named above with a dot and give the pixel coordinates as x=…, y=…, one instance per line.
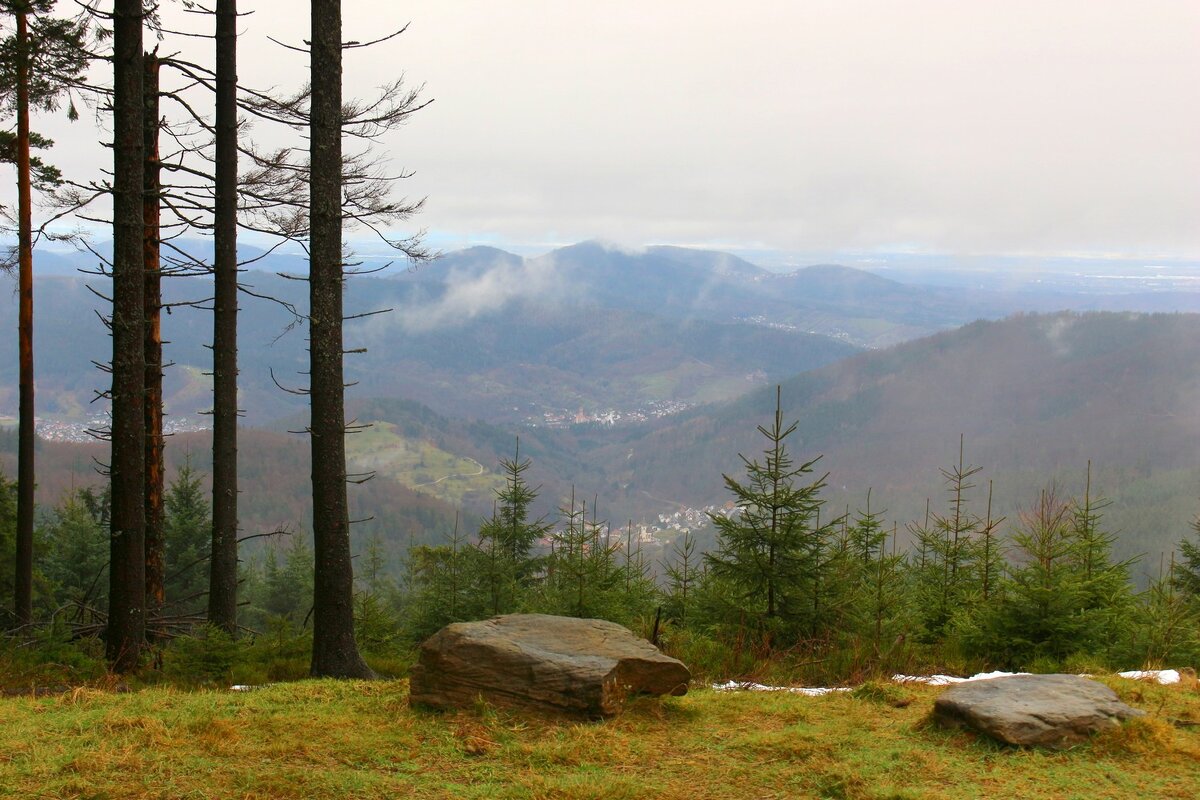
x=1046, y=710
x=579, y=667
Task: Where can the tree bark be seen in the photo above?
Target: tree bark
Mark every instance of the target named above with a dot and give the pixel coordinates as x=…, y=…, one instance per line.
x=222, y=592
x=152, y=303
x=335, y=652
x=26, y=433
x=127, y=569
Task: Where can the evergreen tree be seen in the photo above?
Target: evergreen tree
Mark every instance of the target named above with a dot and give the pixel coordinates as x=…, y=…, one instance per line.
x=1162, y=627
x=1106, y=594
x=636, y=593
x=508, y=536
x=43, y=58
x=1165, y=625
x=844, y=563
x=868, y=589
x=1049, y=608
x=376, y=621
x=76, y=550
x=126, y=631
x=446, y=584
x=867, y=535
x=286, y=589
x=582, y=576
x=8, y=533
x=1185, y=572
x=374, y=574
x=344, y=188
x=683, y=574
x=187, y=530
x=516, y=533
x=152, y=343
x=769, y=555
x=990, y=564
x=946, y=572
x=223, y=579
x=335, y=651
x=886, y=606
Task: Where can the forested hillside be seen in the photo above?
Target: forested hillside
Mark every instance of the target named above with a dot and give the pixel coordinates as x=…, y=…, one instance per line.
x=1035, y=396
x=566, y=353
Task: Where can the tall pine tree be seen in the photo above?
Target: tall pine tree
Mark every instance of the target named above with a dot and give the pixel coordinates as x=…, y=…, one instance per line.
x=127, y=572
x=335, y=651
x=39, y=62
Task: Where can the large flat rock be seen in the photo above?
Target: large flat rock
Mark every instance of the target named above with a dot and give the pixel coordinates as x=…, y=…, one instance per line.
x=1045, y=710
x=581, y=667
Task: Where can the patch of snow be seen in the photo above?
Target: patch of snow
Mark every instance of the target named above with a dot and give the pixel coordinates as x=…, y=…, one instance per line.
x=740, y=686
x=932, y=680
x=947, y=680
x=1163, y=676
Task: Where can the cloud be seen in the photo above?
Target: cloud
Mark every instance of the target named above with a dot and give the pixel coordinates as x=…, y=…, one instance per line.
x=471, y=293
x=1056, y=329
x=854, y=125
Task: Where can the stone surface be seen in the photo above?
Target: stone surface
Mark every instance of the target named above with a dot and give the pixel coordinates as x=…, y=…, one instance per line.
x=1046, y=710
x=581, y=667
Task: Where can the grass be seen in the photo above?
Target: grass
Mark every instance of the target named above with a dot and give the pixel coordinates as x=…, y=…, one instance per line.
x=419, y=464
x=361, y=740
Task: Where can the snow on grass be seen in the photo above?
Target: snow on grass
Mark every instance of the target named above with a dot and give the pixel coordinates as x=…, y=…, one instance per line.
x=946, y=680
x=1163, y=676
x=745, y=686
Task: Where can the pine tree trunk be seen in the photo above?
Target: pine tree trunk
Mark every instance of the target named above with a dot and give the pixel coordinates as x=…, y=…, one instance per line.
x=335, y=652
x=127, y=568
x=222, y=591
x=152, y=303
x=23, y=595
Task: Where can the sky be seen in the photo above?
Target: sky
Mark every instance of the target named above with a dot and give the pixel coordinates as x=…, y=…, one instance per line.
x=924, y=126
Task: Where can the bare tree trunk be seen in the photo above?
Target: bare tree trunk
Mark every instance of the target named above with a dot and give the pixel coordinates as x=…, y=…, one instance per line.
x=222, y=591
x=152, y=302
x=23, y=595
x=335, y=652
x=127, y=569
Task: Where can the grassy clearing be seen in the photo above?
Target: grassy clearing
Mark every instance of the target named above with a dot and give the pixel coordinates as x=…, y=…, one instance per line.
x=360, y=740
x=418, y=464
x=691, y=381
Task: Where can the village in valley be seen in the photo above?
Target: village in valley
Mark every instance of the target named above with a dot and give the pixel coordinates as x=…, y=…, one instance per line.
x=662, y=531
x=562, y=418
x=58, y=430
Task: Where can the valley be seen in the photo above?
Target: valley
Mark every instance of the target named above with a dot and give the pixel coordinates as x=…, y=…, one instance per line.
x=638, y=378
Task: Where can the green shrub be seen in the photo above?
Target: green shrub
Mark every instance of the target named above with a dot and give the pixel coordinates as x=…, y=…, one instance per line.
x=710, y=659
x=207, y=657
x=52, y=656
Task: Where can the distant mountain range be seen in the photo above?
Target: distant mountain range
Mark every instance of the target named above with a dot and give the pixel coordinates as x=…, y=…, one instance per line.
x=582, y=331
x=669, y=355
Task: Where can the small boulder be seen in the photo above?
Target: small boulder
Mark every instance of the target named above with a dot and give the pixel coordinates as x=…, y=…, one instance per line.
x=581, y=667
x=1046, y=710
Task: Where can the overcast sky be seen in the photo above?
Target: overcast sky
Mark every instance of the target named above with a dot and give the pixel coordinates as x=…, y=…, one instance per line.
x=1043, y=127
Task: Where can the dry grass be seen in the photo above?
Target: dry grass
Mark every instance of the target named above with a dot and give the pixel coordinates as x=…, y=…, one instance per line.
x=360, y=740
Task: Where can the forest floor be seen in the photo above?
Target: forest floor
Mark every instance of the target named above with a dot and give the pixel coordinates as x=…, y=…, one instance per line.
x=328, y=739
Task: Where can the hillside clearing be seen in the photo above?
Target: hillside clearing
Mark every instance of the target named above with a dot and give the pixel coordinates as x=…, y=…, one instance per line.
x=418, y=464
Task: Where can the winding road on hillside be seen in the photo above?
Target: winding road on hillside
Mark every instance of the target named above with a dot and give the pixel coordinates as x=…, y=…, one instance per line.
x=664, y=500
x=455, y=475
